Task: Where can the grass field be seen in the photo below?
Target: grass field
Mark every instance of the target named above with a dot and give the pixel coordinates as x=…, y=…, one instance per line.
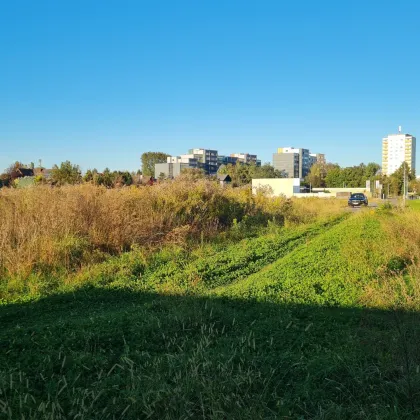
x=414, y=204
x=310, y=321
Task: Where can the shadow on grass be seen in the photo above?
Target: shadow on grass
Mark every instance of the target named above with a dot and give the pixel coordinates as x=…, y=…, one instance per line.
x=119, y=354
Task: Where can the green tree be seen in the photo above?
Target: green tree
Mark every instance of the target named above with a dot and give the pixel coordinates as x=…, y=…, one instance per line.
x=243, y=174
x=351, y=176
x=108, y=178
x=265, y=171
x=415, y=186
x=126, y=178
x=149, y=160
x=90, y=175
x=396, y=180
x=371, y=170
x=192, y=174
x=334, y=178
x=66, y=173
x=316, y=176
x=4, y=180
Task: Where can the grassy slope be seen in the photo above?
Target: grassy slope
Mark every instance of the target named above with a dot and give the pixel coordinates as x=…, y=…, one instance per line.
x=113, y=352
x=331, y=269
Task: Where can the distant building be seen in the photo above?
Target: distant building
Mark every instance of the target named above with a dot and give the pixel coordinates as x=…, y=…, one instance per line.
x=174, y=166
x=21, y=172
x=224, y=179
x=226, y=160
x=45, y=173
x=206, y=160
x=396, y=149
x=287, y=187
x=295, y=162
x=317, y=158
x=292, y=162
x=246, y=158
x=234, y=158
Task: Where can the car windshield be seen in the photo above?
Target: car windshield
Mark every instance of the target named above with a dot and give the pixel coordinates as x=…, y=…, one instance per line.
x=358, y=196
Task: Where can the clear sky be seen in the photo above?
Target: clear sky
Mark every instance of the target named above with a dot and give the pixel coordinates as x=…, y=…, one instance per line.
x=101, y=82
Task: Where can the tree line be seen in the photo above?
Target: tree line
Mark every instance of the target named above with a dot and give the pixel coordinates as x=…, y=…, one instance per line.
x=66, y=173
x=321, y=175
x=330, y=175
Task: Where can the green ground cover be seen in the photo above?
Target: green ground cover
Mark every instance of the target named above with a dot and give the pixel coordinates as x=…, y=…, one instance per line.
x=269, y=327
x=414, y=204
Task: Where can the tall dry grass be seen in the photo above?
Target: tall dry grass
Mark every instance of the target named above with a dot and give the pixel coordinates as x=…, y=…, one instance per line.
x=398, y=282
x=46, y=228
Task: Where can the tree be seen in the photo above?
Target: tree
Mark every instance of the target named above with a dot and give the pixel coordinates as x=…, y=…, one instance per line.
x=67, y=173
x=415, y=186
x=192, y=174
x=371, y=170
x=13, y=167
x=90, y=175
x=4, y=180
x=264, y=171
x=351, y=177
x=316, y=176
x=244, y=173
x=108, y=178
x=396, y=180
x=125, y=178
x=149, y=160
x=334, y=178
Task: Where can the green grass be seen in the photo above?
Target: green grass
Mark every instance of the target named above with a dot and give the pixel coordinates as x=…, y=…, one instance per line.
x=270, y=327
x=414, y=204
x=329, y=270
x=118, y=354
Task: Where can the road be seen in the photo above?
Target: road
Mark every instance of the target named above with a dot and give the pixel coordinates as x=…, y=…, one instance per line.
x=393, y=201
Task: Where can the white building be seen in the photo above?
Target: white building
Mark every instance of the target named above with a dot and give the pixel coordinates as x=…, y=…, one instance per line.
x=396, y=149
x=275, y=187
x=245, y=157
x=189, y=159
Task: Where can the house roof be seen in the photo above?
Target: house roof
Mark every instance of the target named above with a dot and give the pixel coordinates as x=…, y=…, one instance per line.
x=21, y=172
x=224, y=177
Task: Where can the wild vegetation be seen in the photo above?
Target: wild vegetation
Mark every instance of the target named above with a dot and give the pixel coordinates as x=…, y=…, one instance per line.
x=189, y=300
x=328, y=175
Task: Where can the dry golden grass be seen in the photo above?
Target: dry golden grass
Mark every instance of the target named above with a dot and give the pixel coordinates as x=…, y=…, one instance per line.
x=306, y=210
x=44, y=229
x=398, y=283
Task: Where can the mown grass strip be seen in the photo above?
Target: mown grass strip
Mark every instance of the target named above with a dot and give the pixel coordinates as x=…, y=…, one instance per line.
x=234, y=262
x=331, y=269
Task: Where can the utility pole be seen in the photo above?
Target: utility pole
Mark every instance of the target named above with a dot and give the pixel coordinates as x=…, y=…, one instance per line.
x=404, y=196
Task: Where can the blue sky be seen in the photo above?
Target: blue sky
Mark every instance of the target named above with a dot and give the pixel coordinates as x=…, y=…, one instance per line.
x=101, y=82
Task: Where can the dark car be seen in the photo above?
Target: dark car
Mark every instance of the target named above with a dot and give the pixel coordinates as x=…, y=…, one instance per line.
x=358, y=199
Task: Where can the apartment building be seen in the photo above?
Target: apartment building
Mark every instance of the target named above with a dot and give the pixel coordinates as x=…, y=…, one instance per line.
x=293, y=162
x=206, y=160
x=396, y=149
x=174, y=166
x=244, y=158
x=317, y=158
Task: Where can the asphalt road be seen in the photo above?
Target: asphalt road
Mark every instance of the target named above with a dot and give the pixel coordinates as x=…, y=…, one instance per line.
x=393, y=201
